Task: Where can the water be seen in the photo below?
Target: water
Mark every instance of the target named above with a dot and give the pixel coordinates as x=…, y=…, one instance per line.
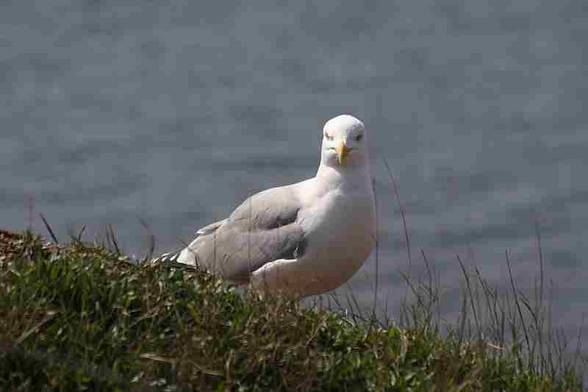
x=117, y=111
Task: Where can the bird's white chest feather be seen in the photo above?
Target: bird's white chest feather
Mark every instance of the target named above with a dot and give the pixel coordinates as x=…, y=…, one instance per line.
x=339, y=230
x=335, y=213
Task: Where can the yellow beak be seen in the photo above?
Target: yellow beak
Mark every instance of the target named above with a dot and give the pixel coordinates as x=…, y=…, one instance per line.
x=342, y=152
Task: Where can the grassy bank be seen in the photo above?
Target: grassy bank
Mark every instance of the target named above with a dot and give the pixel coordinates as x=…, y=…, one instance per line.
x=79, y=316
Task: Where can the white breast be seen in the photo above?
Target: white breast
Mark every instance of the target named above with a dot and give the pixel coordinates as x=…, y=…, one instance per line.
x=340, y=233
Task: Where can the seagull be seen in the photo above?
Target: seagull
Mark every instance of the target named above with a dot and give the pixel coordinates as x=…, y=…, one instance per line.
x=301, y=239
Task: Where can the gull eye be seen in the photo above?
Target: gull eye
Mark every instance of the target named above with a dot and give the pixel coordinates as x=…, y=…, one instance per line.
x=328, y=137
x=359, y=137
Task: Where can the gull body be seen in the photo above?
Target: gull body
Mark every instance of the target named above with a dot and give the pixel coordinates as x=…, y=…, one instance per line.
x=300, y=239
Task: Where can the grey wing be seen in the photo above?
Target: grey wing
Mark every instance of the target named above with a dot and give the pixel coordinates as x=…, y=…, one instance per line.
x=262, y=229
x=210, y=228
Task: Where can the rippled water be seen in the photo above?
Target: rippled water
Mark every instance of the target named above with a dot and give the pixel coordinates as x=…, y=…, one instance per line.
x=116, y=111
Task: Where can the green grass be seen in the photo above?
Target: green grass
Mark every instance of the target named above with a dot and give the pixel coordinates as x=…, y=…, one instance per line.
x=81, y=317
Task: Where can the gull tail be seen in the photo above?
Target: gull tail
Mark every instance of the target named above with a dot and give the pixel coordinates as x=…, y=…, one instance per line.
x=169, y=257
x=172, y=259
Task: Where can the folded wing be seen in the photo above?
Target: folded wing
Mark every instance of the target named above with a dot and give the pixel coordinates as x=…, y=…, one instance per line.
x=262, y=229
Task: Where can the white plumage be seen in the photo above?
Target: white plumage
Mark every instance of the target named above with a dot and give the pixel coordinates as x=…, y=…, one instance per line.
x=301, y=239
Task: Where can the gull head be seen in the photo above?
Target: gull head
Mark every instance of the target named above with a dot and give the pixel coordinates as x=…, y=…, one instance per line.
x=344, y=143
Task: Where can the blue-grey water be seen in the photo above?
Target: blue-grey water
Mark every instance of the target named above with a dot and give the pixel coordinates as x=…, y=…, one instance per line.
x=173, y=112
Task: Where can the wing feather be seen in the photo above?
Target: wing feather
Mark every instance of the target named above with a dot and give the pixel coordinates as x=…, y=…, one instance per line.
x=262, y=229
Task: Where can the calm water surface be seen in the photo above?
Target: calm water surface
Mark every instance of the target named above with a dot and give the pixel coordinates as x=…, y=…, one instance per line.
x=116, y=111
